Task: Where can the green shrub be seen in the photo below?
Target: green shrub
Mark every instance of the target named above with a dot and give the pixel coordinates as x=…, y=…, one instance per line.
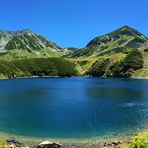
x=134, y=60
x=99, y=68
x=146, y=50
x=37, y=67
x=139, y=141
x=2, y=143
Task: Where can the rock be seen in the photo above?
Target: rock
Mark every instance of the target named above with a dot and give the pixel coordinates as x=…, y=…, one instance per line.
x=107, y=145
x=12, y=146
x=14, y=142
x=48, y=144
x=116, y=142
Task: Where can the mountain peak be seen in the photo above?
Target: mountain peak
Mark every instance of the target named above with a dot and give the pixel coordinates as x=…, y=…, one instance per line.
x=127, y=27
x=128, y=31
x=24, y=31
x=116, y=35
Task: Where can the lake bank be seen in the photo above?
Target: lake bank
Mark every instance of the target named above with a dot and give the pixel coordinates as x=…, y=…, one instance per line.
x=94, y=142
x=132, y=77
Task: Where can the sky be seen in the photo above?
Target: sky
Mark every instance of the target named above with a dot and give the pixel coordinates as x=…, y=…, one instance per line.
x=73, y=23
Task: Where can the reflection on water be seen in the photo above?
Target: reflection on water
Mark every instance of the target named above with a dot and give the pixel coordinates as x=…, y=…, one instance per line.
x=72, y=107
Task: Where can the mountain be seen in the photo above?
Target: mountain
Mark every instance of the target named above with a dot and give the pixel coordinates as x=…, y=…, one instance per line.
x=120, y=40
x=5, y=36
x=27, y=44
x=121, y=53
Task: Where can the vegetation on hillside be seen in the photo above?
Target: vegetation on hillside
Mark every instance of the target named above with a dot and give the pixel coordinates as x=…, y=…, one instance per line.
x=27, y=44
x=120, y=40
x=123, y=68
x=37, y=67
x=121, y=53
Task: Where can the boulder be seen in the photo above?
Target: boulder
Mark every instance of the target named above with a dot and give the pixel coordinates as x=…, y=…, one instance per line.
x=48, y=144
x=11, y=146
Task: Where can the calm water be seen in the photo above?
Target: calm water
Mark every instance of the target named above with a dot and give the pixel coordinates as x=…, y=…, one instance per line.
x=72, y=107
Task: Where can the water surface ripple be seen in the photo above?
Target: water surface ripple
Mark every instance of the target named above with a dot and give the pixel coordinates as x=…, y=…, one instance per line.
x=72, y=107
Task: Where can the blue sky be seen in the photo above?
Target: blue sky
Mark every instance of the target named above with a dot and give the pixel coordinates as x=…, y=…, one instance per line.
x=73, y=23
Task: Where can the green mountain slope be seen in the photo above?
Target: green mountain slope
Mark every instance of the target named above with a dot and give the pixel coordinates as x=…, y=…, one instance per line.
x=37, y=67
x=125, y=66
x=27, y=44
x=121, y=53
x=121, y=40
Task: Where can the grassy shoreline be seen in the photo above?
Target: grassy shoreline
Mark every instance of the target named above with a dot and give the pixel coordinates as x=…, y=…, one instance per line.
x=96, y=142
x=138, y=140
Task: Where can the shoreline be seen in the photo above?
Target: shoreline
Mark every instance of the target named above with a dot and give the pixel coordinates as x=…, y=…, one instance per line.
x=71, y=142
x=27, y=77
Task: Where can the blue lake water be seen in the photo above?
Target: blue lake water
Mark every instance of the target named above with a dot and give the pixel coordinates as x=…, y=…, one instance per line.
x=72, y=107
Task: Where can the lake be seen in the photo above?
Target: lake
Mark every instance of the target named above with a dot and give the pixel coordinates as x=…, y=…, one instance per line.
x=72, y=108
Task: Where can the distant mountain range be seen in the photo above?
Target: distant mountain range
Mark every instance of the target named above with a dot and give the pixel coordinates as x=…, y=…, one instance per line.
x=27, y=44
x=123, y=52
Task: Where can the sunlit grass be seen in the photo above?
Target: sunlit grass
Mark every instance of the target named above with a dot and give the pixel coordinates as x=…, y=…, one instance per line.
x=83, y=64
x=2, y=143
x=139, y=141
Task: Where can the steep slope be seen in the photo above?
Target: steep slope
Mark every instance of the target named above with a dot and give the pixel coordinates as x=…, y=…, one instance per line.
x=37, y=67
x=120, y=40
x=27, y=44
x=5, y=36
x=125, y=66
x=121, y=53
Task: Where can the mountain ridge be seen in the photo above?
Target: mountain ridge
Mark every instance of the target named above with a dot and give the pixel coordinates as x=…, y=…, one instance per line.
x=125, y=36
x=40, y=46
x=122, y=52
x=116, y=34
x=12, y=43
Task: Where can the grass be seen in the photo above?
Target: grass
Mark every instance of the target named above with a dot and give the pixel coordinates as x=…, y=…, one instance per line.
x=2, y=143
x=23, y=54
x=139, y=141
x=141, y=72
x=83, y=64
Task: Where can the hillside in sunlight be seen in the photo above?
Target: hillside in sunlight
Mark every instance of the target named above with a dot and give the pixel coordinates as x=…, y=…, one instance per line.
x=120, y=53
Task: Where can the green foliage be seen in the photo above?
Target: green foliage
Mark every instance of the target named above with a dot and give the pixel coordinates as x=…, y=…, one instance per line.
x=7, y=69
x=136, y=43
x=102, y=47
x=37, y=67
x=99, y=68
x=11, y=45
x=82, y=65
x=83, y=62
x=64, y=67
x=116, y=35
x=72, y=48
x=134, y=60
x=115, y=70
x=122, y=41
x=2, y=143
x=139, y=141
x=86, y=52
x=146, y=50
x=123, y=68
x=114, y=51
